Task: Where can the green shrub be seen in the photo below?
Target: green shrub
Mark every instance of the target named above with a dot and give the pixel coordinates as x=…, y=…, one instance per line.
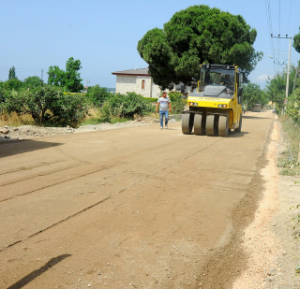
x=106, y=112
x=48, y=105
x=177, y=102
x=126, y=105
x=293, y=106
x=151, y=99
x=98, y=95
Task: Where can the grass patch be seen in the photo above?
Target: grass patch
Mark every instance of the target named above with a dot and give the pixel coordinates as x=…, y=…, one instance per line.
x=95, y=117
x=289, y=165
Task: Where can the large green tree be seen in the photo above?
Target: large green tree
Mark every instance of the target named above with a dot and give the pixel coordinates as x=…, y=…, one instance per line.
x=69, y=79
x=195, y=35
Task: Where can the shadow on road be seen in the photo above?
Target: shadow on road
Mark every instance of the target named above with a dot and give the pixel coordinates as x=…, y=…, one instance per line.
x=236, y=134
x=253, y=117
x=30, y=277
x=14, y=147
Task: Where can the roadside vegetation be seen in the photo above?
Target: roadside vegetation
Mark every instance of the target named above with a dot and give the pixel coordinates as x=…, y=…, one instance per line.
x=289, y=113
x=60, y=102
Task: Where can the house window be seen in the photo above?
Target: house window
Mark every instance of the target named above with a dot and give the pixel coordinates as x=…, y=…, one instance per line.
x=143, y=84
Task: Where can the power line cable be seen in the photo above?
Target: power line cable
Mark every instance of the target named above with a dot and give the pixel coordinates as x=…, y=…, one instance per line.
x=289, y=17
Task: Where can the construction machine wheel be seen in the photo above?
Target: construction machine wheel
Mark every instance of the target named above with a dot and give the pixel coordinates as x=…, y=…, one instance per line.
x=239, y=129
x=198, y=124
x=210, y=125
x=187, y=123
x=223, y=125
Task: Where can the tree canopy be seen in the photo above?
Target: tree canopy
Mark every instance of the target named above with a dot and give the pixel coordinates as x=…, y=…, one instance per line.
x=70, y=79
x=98, y=94
x=193, y=36
x=296, y=43
x=32, y=81
x=252, y=94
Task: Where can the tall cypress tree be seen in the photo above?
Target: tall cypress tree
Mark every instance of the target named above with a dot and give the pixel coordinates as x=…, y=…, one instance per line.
x=12, y=73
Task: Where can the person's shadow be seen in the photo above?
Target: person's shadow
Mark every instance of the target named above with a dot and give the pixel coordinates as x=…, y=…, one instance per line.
x=30, y=277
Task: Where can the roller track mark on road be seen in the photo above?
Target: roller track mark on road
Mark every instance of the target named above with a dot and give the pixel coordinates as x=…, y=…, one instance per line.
x=41, y=175
x=31, y=167
x=65, y=219
x=54, y=224
x=153, y=176
x=57, y=183
x=59, y=150
x=202, y=149
x=249, y=174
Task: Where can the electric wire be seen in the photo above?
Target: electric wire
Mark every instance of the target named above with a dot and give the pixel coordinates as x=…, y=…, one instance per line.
x=289, y=18
x=270, y=27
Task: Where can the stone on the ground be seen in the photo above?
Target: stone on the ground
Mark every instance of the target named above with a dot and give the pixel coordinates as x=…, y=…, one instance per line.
x=4, y=130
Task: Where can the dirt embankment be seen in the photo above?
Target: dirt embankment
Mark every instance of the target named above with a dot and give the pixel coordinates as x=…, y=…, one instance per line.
x=271, y=240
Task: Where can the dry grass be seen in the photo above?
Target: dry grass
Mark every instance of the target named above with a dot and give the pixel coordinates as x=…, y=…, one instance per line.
x=292, y=136
x=154, y=115
x=15, y=120
x=288, y=160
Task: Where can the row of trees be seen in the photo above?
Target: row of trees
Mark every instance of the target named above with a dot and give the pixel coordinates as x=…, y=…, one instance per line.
x=275, y=91
x=69, y=80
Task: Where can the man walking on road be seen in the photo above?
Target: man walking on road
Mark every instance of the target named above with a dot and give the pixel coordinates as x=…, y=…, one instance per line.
x=164, y=105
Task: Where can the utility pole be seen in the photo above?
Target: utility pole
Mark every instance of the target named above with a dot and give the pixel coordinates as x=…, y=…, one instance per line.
x=289, y=63
x=42, y=76
x=87, y=81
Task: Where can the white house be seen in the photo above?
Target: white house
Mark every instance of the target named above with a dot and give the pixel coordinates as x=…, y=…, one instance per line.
x=138, y=81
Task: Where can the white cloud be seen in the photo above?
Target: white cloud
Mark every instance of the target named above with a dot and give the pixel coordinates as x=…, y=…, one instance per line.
x=263, y=77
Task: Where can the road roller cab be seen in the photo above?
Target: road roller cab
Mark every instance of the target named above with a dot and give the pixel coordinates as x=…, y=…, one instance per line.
x=215, y=106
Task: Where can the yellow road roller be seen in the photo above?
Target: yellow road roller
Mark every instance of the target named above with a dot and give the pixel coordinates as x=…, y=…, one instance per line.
x=215, y=106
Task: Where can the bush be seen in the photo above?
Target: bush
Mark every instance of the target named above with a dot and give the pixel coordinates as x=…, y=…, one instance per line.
x=151, y=99
x=293, y=107
x=98, y=95
x=126, y=105
x=177, y=102
x=48, y=105
x=14, y=83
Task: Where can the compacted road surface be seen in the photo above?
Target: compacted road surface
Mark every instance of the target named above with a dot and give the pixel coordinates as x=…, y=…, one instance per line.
x=136, y=207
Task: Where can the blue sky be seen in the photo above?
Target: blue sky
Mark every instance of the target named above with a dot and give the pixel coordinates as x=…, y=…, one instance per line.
x=104, y=34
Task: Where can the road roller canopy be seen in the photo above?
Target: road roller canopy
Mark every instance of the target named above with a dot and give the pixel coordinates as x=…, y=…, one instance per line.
x=218, y=75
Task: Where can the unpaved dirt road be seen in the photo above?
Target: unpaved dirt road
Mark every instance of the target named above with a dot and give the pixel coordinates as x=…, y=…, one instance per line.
x=129, y=208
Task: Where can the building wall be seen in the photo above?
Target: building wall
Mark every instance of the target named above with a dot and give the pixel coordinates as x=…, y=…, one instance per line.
x=155, y=90
x=127, y=83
